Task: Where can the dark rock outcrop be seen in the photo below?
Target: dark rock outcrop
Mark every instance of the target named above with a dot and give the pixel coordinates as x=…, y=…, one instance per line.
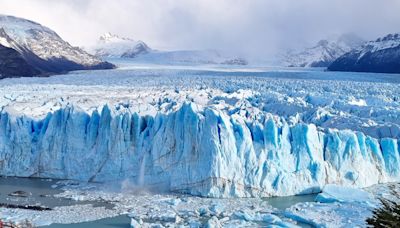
x=12, y=64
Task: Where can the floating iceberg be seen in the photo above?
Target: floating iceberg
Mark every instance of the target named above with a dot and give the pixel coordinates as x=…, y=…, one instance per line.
x=338, y=206
x=200, y=151
x=333, y=193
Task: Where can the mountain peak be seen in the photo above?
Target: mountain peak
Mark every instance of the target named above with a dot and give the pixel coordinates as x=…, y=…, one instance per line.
x=386, y=42
x=324, y=52
x=389, y=37
x=107, y=36
x=110, y=37
x=112, y=45
x=381, y=56
x=39, y=47
x=12, y=20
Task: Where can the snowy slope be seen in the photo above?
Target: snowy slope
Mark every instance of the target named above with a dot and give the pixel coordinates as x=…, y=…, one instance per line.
x=209, y=133
x=381, y=55
x=43, y=48
x=322, y=54
x=110, y=45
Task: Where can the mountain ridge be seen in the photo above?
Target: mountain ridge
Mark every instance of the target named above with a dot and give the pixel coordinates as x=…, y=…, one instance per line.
x=113, y=46
x=323, y=53
x=379, y=56
x=43, y=49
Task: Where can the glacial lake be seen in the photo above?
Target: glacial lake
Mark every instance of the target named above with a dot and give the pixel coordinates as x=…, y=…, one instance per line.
x=40, y=192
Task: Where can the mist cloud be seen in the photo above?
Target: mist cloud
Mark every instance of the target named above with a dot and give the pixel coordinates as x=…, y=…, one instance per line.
x=249, y=27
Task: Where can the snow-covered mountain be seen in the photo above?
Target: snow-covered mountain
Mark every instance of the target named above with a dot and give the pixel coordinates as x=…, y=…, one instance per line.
x=110, y=45
x=114, y=46
x=380, y=56
x=323, y=53
x=43, y=49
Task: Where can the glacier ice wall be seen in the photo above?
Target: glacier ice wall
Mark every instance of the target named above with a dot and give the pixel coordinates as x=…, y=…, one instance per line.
x=201, y=152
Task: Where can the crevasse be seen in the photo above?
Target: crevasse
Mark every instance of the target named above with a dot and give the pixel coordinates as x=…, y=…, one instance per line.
x=201, y=152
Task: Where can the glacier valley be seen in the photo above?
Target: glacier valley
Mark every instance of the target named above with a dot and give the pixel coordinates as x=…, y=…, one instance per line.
x=208, y=132
x=212, y=131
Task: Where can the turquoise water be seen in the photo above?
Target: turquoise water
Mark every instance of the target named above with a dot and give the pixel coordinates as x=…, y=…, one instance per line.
x=284, y=202
x=41, y=192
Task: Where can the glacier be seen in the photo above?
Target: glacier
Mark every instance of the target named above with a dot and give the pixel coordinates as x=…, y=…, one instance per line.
x=197, y=150
x=124, y=136
x=208, y=131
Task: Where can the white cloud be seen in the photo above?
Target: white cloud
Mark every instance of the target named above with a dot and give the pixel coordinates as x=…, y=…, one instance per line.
x=257, y=27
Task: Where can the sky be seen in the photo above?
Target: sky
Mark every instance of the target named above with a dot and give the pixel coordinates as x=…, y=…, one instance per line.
x=257, y=28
